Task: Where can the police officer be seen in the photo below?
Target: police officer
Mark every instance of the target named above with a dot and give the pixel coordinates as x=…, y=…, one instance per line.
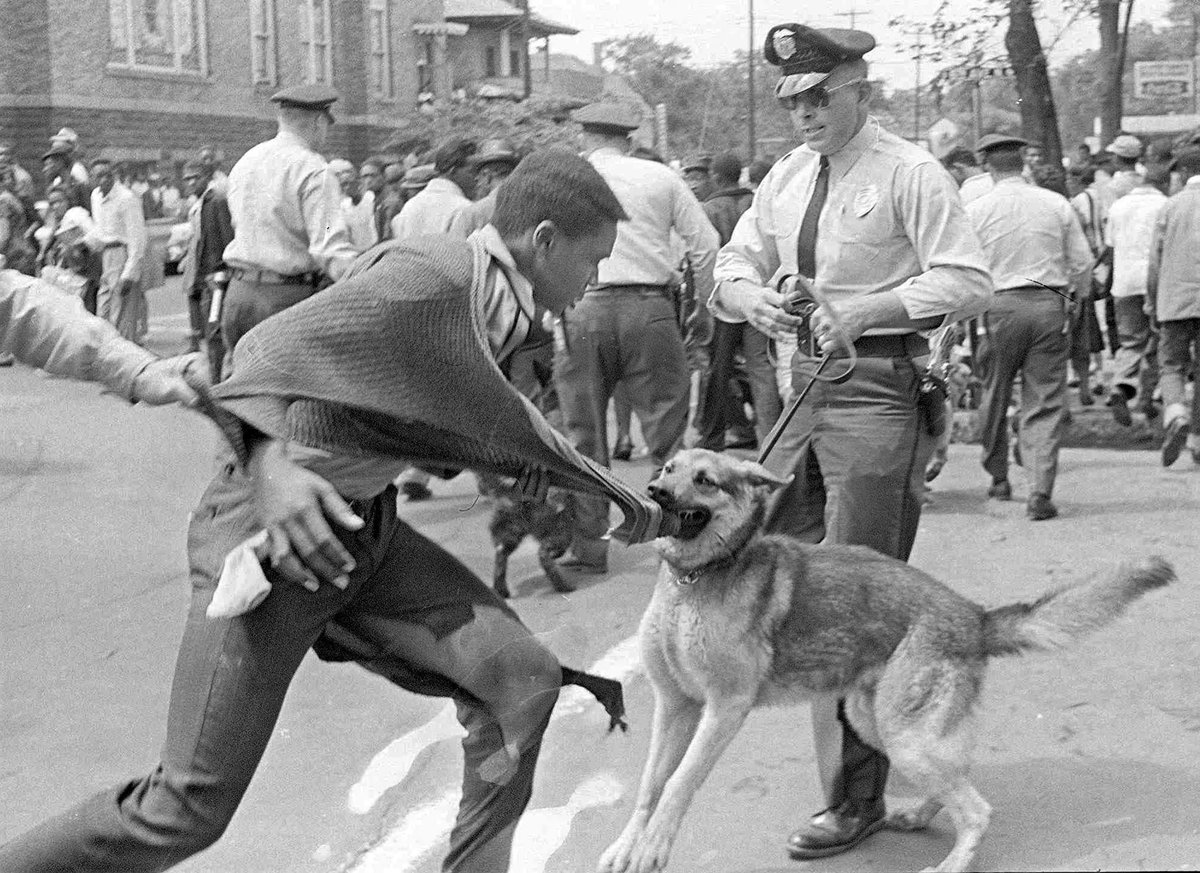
x=287, y=219
x=1038, y=255
x=624, y=329
x=874, y=228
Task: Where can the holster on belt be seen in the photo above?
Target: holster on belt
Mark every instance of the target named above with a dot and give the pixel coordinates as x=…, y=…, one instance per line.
x=217, y=282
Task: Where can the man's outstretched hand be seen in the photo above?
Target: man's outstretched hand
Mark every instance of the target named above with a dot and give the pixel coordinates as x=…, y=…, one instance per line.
x=166, y=380
x=294, y=507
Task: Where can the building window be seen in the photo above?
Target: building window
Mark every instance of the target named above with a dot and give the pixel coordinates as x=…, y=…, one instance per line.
x=489, y=61
x=514, y=62
x=159, y=35
x=264, y=61
x=380, y=32
x=315, y=42
x=425, y=70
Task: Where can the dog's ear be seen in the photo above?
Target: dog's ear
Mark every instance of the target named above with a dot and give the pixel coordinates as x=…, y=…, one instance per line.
x=759, y=476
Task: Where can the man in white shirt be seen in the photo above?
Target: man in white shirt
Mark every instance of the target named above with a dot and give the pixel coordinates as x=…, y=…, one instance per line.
x=1038, y=256
x=1129, y=231
x=358, y=205
x=624, y=330
x=435, y=208
x=120, y=234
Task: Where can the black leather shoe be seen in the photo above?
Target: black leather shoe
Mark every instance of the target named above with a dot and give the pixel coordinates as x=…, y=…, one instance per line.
x=1120, y=408
x=837, y=830
x=1173, y=440
x=623, y=450
x=1040, y=508
x=1000, y=490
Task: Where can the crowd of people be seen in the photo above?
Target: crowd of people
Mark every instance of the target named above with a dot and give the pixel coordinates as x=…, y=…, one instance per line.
x=368, y=328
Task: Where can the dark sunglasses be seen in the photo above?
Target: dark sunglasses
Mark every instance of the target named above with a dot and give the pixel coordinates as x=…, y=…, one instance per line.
x=817, y=96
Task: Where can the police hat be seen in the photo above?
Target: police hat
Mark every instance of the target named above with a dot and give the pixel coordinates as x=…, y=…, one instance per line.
x=314, y=98
x=1000, y=141
x=807, y=55
x=606, y=118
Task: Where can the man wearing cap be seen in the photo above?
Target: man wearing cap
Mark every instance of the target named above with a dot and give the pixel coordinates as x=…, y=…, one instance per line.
x=448, y=193
x=56, y=170
x=1040, y=261
x=1123, y=154
x=870, y=226
x=698, y=176
x=289, y=233
x=494, y=162
x=624, y=330
x=68, y=140
x=207, y=275
x=1173, y=300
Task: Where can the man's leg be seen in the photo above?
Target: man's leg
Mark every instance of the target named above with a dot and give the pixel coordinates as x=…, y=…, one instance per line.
x=230, y=680
x=712, y=417
x=756, y=348
x=654, y=369
x=1043, y=394
x=1001, y=351
x=1175, y=363
x=197, y=317
x=248, y=303
x=438, y=629
x=1133, y=332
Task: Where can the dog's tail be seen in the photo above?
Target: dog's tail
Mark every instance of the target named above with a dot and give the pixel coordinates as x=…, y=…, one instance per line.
x=1058, y=618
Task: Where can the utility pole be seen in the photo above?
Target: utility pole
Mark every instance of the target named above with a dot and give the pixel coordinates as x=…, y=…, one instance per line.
x=917, y=47
x=852, y=14
x=753, y=137
x=527, y=72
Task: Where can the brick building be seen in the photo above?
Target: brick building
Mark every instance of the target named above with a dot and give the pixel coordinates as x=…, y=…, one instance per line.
x=148, y=81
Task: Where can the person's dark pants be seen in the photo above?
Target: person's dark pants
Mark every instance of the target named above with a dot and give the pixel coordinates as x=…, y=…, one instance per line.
x=631, y=337
x=1024, y=335
x=1178, y=356
x=857, y=451
x=1135, y=363
x=411, y=613
x=716, y=400
x=1084, y=340
x=248, y=303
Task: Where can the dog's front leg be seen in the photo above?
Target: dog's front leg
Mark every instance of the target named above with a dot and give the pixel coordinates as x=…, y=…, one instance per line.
x=719, y=723
x=672, y=728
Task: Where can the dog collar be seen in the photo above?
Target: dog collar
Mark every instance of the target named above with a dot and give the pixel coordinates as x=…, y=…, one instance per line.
x=693, y=576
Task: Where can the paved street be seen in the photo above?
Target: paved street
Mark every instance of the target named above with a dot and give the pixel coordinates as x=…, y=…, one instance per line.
x=1090, y=759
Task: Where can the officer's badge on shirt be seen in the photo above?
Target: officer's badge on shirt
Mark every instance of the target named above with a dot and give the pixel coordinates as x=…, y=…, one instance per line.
x=865, y=200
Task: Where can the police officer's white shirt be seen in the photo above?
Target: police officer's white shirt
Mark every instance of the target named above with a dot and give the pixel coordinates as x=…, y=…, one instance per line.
x=658, y=202
x=1129, y=229
x=892, y=221
x=286, y=208
x=1030, y=235
x=432, y=210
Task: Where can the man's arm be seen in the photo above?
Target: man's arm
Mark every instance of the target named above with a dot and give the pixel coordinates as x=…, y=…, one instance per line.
x=328, y=237
x=1155, y=266
x=701, y=243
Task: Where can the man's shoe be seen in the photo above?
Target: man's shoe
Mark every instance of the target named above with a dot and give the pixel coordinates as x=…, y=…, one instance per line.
x=7, y=360
x=1000, y=490
x=1120, y=408
x=1149, y=409
x=1086, y=398
x=1173, y=440
x=623, y=450
x=1039, y=508
x=416, y=491
x=837, y=830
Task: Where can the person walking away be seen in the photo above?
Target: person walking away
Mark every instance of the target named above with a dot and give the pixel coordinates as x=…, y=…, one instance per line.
x=1087, y=337
x=120, y=238
x=289, y=235
x=624, y=329
x=1173, y=300
x=1040, y=262
x=724, y=206
x=1129, y=231
x=206, y=278
x=869, y=225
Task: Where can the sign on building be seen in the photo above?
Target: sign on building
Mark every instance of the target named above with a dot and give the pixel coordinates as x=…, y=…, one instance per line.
x=1158, y=80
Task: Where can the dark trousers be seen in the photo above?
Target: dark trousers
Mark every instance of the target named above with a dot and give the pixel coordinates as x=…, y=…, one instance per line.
x=1178, y=356
x=248, y=303
x=411, y=613
x=199, y=306
x=716, y=415
x=1135, y=362
x=1024, y=335
x=630, y=337
x=858, y=452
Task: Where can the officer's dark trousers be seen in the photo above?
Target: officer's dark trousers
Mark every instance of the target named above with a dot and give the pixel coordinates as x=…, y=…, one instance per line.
x=1024, y=335
x=760, y=372
x=248, y=303
x=627, y=336
x=858, y=452
x=412, y=613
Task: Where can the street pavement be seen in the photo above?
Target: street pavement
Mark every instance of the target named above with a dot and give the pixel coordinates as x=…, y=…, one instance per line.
x=1089, y=758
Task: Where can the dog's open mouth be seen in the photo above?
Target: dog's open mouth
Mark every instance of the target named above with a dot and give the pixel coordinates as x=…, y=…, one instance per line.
x=692, y=521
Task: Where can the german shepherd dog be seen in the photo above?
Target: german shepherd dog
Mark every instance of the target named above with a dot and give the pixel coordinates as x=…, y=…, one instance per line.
x=740, y=619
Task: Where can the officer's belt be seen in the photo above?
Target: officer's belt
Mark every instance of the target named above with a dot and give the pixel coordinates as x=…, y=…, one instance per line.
x=1060, y=289
x=624, y=289
x=267, y=277
x=888, y=345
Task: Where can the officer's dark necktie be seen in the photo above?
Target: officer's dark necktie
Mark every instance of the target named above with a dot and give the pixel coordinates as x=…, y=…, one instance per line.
x=806, y=245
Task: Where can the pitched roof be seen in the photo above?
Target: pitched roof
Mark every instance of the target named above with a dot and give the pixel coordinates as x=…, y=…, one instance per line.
x=501, y=12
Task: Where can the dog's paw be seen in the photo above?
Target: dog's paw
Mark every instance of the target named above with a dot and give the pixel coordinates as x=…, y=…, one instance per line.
x=651, y=853
x=616, y=857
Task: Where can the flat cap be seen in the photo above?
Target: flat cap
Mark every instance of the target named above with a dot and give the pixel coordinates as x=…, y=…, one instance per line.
x=418, y=177
x=697, y=162
x=66, y=135
x=1125, y=146
x=807, y=55
x=990, y=141
x=59, y=148
x=607, y=118
x=495, y=151
x=316, y=98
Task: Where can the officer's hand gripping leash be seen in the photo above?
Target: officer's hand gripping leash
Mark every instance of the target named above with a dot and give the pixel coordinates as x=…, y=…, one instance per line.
x=800, y=298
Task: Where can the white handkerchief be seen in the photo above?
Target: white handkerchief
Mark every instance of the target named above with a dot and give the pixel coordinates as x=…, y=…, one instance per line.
x=242, y=585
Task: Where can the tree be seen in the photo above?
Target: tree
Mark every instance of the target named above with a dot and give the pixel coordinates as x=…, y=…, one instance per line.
x=1038, y=116
x=528, y=125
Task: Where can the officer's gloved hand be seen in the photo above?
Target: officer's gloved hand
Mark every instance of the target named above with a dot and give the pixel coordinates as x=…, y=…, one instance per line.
x=167, y=380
